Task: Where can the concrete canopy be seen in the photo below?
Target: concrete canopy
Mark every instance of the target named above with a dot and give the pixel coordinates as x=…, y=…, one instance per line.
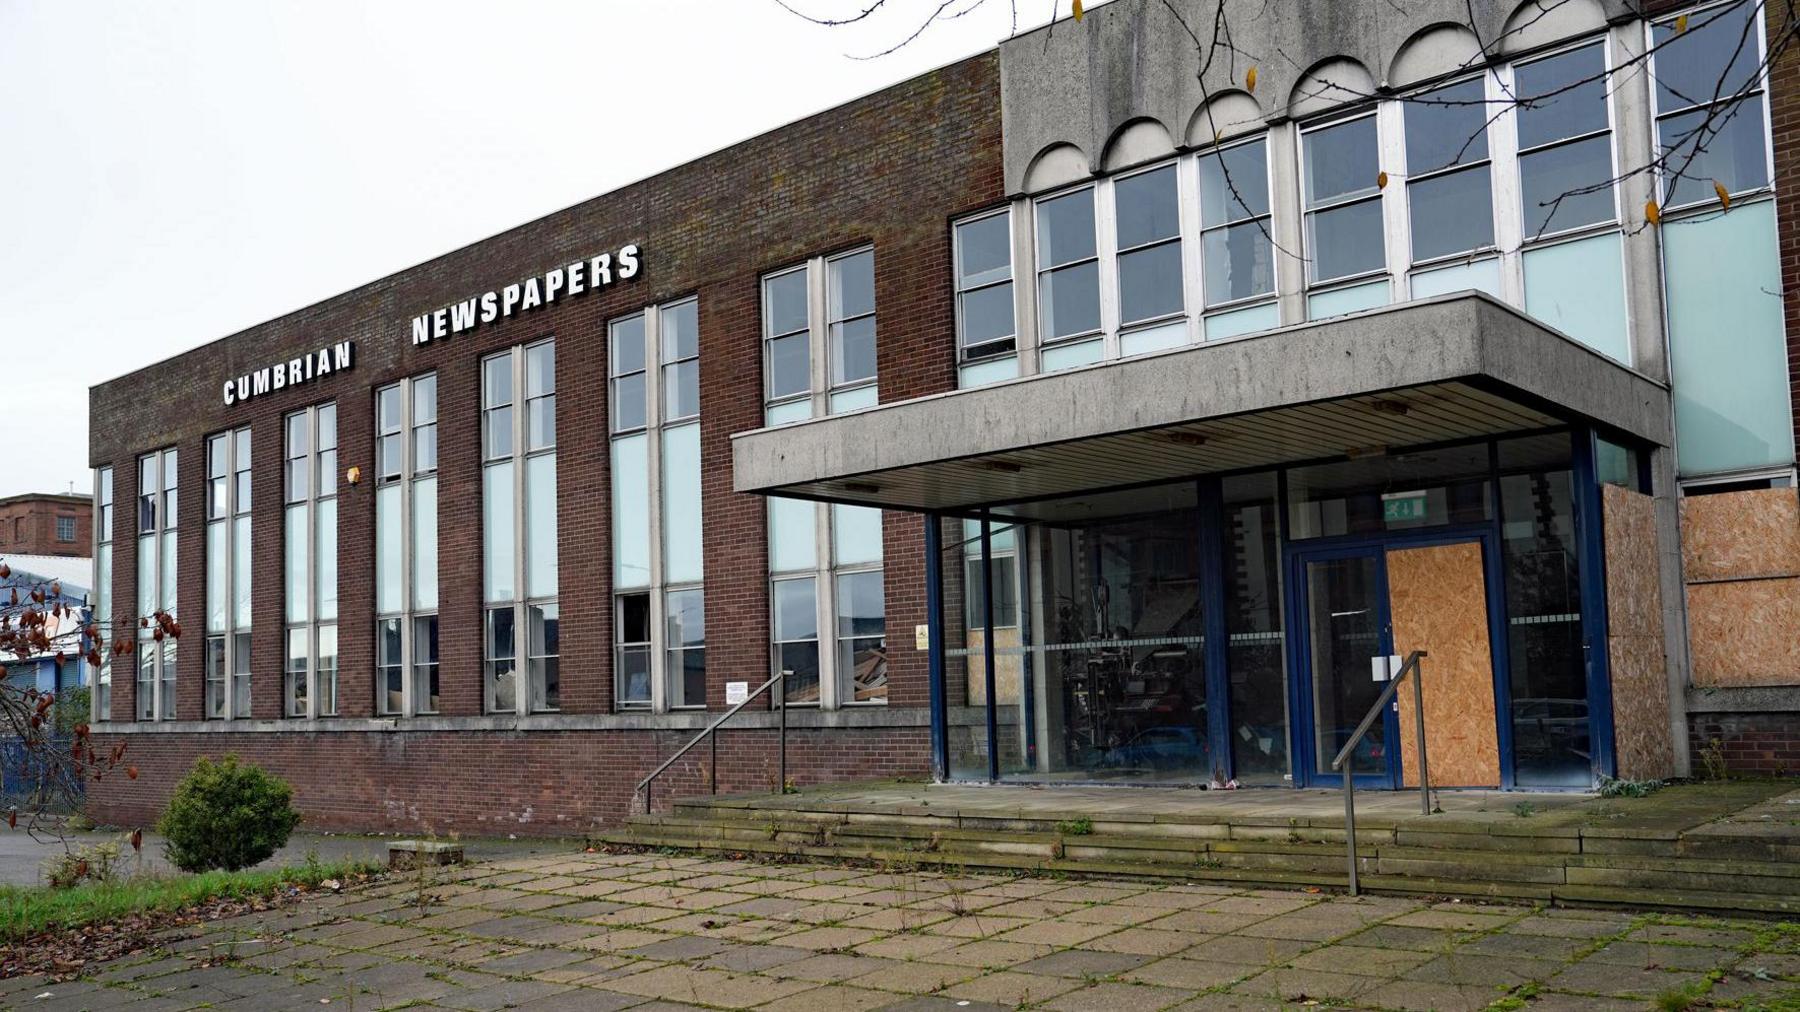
x=1456, y=367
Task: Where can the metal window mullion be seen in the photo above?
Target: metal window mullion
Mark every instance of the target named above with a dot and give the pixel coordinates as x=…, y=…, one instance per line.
x=156, y=535
x=1022, y=223
x=310, y=527
x=659, y=693
x=818, y=273
x=1193, y=289
x=95, y=528
x=229, y=658
x=1507, y=187
x=1396, y=219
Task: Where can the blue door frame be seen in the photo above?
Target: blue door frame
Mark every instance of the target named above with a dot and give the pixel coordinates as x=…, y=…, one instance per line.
x=1302, y=736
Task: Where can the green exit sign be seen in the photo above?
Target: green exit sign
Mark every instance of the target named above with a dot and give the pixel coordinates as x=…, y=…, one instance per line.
x=1403, y=506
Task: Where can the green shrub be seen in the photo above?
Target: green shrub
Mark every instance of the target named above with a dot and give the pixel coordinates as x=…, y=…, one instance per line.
x=227, y=815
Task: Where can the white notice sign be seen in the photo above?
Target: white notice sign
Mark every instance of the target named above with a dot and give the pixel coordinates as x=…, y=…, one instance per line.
x=736, y=692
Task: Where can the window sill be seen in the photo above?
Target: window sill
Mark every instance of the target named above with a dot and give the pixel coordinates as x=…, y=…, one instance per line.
x=861, y=715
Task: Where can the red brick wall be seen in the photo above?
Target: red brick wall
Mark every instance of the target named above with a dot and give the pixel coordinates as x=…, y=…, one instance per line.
x=1764, y=744
x=488, y=783
x=889, y=169
x=28, y=526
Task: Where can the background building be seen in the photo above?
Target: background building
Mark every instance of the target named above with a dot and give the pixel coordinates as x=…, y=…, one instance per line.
x=1080, y=411
x=46, y=524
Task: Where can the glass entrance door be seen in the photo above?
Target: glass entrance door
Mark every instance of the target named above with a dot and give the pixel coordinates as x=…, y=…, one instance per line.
x=1348, y=637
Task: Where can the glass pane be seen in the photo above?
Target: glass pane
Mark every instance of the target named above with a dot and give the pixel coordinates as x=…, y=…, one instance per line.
x=1717, y=55
x=218, y=564
x=540, y=369
x=242, y=555
x=853, y=350
x=425, y=664
x=1239, y=262
x=1253, y=623
x=1480, y=276
x=683, y=558
x=1401, y=491
x=1346, y=240
x=860, y=608
x=1150, y=282
x=1697, y=152
x=1553, y=113
x=544, y=646
x=851, y=291
x=540, y=432
x=424, y=393
x=1146, y=207
x=497, y=433
x=1341, y=161
x=425, y=449
x=1451, y=213
x=790, y=365
x=801, y=662
x=425, y=545
x=1069, y=300
x=498, y=538
x=387, y=410
x=862, y=664
x=628, y=402
x=325, y=558
x=631, y=512
x=855, y=534
x=1727, y=349
x=1579, y=288
x=325, y=677
x=1068, y=356
x=984, y=250
x=1551, y=747
x=389, y=661
x=540, y=526
x=634, y=676
x=1065, y=228
x=792, y=535
x=1446, y=127
x=170, y=579
x=1566, y=187
x=298, y=443
x=387, y=457
x=295, y=586
x=1343, y=610
x=688, y=669
x=680, y=327
x=215, y=677
x=389, y=552
x=784, y=301
x=681, y=390
x=501, y=667
x=686, y=618
x=626, y=346
x=987, y=315
x=796, y=617
x=1234, y=184
x=634, y=619
x=496, y=381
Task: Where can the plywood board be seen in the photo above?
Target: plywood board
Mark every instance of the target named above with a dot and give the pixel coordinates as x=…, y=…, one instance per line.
x=1640, y=682
x=1438, y=596
x=1745, y=632
x=1009, y=667
x=1733, y=535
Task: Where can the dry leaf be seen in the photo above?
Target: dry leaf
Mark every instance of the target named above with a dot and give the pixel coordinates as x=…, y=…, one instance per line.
x=1381, y=180
x=1078, y=11
x=1250, y=79
x=1724, y=197
x=1652, y=213
x=1681, y=23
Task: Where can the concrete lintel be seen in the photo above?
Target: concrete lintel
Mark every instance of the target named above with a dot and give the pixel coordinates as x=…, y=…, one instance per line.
x=798, y=720
x=1743, y=699
x=1457, y=338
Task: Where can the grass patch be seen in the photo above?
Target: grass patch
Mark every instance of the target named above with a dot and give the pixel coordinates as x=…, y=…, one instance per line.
x=25, y=912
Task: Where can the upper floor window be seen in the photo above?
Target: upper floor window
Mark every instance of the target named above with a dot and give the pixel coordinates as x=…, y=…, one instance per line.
x=1709, y=103
x=1237, y=246
x=519, y=556
x=1565, y=142
x=1068, y=278
x=65, y=529
x=1449, y=182
x=156, y=582
x=1344, y=233
x=843, y=341
x=787, y=345
x=406, y=549
x=850, y=309
x=229, y=549
x=103, y=589
x=984, y=287
x=309, y=522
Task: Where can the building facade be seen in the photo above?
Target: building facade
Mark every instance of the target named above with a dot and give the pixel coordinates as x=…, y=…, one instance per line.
x=46, y=524
x=1083, y=411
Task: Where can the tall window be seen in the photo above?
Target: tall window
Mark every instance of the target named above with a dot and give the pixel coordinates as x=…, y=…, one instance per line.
x=850, y=311
x=103, y=590
x=309, y=477
x=787, y=346
x=812, y=610
x=985, y=327
x=1345, y=241
x=1450, y=189
x=1237, y=248
x=1728, y=342
x=228, y=555
x=518, y=494
x=156, y=582
x=659, y=611
x=406, y=577
x=842, y=342
x=1068, y=278
x=1147, y=237
x=65, y=529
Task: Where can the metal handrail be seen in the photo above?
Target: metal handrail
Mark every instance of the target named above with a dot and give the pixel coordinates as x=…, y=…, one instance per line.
x=710, y=732
x=1341, y=762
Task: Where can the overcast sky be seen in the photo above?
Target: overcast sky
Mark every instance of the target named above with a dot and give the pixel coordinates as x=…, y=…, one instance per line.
x=176, y=171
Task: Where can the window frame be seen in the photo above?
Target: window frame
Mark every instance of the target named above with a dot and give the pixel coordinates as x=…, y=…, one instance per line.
x=159, y=525
x=1202, y=230
x=101, y=532
x=1759, y=91
x=1104, y=236
x=306, y=684
x=1311, y=285
x=965, y=353
x=229, y=643
x=1414, y=263
x=526, y=692
x=406, y=475
x=832, y=322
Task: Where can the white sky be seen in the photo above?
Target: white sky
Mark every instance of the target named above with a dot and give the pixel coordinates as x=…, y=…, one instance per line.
x=172, y=172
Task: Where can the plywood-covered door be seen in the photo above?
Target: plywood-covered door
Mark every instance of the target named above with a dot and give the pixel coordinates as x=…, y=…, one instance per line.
x=1438, y=601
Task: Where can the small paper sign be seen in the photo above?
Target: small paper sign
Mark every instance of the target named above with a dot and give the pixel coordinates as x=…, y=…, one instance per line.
x=736, y=692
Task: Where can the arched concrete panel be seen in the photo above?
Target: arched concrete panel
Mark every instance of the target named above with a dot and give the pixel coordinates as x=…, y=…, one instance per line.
x=1540, y=22
x=1437, y=51
x=1229, y=114
x=1056, y=165
x=1135, y=143
x=1329, y=84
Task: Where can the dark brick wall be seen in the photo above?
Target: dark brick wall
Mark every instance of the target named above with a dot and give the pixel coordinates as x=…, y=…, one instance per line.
x=889, y=169
x=1765, y=744
x=487, y=783
x=28, y=525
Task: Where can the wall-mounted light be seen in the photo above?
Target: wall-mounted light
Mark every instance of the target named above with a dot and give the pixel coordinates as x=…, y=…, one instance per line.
x=353, y=475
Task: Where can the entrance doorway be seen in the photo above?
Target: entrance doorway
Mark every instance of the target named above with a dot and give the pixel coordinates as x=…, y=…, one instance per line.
x=1359, y=608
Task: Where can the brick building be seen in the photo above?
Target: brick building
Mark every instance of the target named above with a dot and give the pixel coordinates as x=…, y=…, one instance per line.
x=1064, y=414
x=46, y=524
